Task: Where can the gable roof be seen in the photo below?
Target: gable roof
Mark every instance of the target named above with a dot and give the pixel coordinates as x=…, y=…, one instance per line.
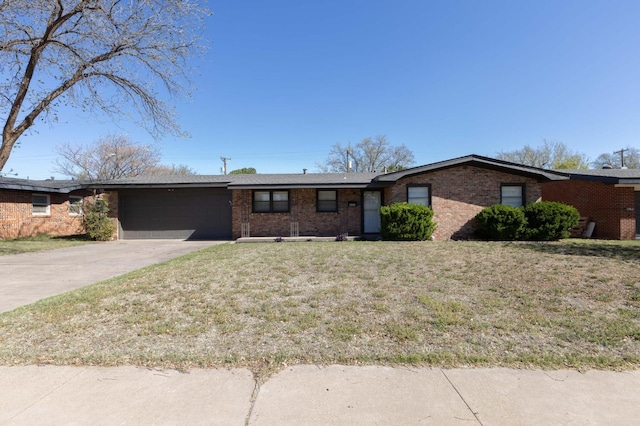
x=477, y=161
x=295, y=180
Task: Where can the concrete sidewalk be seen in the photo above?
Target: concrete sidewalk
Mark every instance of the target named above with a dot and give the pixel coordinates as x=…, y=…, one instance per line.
x=311, y=395
x=29, y=277
x=336, y=395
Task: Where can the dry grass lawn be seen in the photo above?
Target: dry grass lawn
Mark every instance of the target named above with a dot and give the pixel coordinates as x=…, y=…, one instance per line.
x=570, y=304
x=39, y=243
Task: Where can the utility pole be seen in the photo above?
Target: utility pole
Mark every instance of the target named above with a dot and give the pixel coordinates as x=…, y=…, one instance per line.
x=224, y=164
x=621, y=152
x=348, y=162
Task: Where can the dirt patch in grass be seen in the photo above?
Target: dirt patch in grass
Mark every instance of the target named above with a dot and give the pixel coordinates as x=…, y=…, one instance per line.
x=570, y=304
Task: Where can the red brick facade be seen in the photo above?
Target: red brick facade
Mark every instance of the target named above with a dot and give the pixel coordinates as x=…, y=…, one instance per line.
x=302, y=202
x=459, y=189
x=611, y=208
x=112, y=199
x=458, y=194
x=18, y=220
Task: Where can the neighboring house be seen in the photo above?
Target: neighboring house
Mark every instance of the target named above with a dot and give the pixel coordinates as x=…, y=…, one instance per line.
x=325, y=204
x=608, y=197
x=278, y=205
x=30, y=207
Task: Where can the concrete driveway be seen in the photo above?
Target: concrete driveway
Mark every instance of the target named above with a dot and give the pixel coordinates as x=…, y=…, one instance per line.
x=29, y=277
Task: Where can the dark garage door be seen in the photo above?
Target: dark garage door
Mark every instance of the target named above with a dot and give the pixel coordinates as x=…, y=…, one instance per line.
x=202, y=213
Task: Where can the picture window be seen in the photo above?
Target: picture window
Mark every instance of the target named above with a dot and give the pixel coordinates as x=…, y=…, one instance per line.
x=270, y=201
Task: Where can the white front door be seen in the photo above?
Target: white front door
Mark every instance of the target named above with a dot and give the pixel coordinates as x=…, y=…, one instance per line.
x=372, y=200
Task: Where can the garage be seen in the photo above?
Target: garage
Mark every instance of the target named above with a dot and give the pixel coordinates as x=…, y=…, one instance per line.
x=175, y=213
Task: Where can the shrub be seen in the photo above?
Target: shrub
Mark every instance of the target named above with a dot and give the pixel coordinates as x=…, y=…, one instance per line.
x=96, y=221
x=406, y=222
x=500, y=222
x=549, y=220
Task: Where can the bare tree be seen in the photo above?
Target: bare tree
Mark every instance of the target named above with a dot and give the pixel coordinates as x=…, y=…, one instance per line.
x=341, y=159
x=549, y=155
x=172, y=170
x=369, y=155
x=94, y=55
x=630, y=155
x=112, y=157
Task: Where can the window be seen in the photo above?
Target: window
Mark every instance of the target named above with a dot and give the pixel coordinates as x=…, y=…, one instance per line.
x=270, y=201
x=327, y=201
x=512, y=195
x=40, y=204
x=75, y=205
x=419, y=194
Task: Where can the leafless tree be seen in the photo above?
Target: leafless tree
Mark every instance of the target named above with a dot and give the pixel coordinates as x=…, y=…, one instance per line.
x=549, y=155
x=614, y=159
x=112, y=157
x=172, y=170
x=369, y=155
x=95, y=55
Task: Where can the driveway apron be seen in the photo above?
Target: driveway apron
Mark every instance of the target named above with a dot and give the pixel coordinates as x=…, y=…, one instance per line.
x=28, y=277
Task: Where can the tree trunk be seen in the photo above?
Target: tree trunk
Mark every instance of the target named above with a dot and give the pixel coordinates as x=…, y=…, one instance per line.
x=8, y=141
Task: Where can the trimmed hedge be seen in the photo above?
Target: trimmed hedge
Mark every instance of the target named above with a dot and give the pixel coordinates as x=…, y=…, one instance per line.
x=549, y=220
x=541, y=221
x=501, y=222
x=406, y=222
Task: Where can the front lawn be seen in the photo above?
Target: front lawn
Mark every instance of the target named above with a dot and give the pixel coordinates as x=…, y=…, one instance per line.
x=570, y=304
x=39, y=243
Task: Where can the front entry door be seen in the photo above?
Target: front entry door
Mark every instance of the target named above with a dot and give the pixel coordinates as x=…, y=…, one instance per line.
x=371, y=202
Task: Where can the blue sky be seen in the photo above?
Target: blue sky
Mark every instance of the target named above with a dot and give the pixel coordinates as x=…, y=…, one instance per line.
x=284, y=80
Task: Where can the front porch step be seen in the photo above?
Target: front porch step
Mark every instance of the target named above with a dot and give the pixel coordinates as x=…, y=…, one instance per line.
x=290, y=239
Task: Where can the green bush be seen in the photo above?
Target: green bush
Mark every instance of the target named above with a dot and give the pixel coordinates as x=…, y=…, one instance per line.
x=96, y=221
x=549, y=220
x=542, y=221
x=500, y=222
x=406, y=222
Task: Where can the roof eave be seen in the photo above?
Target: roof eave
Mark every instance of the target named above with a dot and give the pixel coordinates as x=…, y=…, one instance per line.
x=38, y=188
x=310, y=186
x=164, y=185
x=477, y=161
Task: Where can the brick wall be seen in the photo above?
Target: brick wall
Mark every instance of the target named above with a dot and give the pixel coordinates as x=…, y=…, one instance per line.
x=303, y=211
x=459, y=193
x=114, y=214
x=17, y=218
x=604, y=204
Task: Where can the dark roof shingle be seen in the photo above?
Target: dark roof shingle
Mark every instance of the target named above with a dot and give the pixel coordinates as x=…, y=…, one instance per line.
x=55, y=186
